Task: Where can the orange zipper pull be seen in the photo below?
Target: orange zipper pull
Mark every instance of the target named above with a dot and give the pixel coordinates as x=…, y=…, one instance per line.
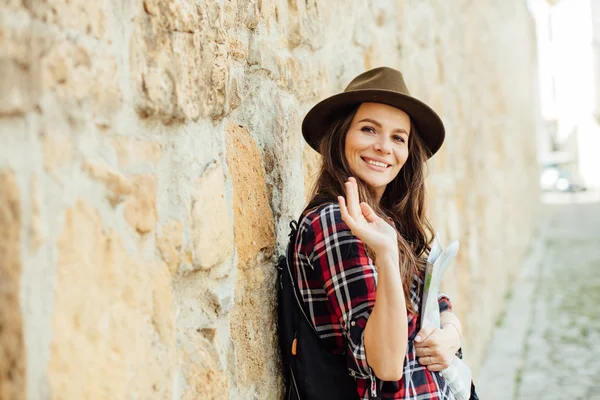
x=294, y=345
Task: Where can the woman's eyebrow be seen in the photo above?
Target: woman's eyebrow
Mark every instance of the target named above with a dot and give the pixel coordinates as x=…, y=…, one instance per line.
x=400, y=130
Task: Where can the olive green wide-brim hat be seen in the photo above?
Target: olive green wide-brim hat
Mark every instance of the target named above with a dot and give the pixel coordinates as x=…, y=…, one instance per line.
x=380, y=85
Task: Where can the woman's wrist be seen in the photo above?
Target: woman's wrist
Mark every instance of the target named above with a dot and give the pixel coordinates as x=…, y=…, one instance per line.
x=450, y=326
x=387, y=256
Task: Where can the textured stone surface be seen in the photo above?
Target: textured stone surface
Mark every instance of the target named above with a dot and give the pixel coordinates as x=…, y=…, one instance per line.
x=37, y=229
x=212, y=233
x=169, y=243
x=256, y=347
x=159, y=158
x=140, y=207
x=103, y=344
x=205, y=377
x=58, y=152
x=12, y=346
x=179, y=60
x=117, y=185
x=252, y=216
x=20, y=86
x=132, y=151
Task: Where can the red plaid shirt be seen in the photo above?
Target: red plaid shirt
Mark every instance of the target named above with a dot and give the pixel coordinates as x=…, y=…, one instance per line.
x=337, y=282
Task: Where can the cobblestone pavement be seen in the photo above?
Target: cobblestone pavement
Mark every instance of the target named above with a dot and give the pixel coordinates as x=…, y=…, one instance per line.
x=548, y=346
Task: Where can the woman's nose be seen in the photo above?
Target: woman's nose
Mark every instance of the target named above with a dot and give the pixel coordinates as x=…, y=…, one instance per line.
x=382, y=146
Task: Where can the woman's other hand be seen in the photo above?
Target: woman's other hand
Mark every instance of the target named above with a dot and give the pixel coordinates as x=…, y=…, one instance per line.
x=375, y=232
x=436, y=347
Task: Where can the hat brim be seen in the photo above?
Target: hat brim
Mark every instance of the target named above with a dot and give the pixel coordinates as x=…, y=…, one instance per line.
x=429, y=125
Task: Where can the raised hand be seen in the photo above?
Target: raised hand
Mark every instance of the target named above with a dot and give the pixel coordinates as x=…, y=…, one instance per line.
x=375, y=232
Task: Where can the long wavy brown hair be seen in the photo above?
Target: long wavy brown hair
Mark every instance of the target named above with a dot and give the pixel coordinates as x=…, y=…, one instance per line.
x=403, y=199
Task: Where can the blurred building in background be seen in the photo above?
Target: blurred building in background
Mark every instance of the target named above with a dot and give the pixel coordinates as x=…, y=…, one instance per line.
x=568, y=41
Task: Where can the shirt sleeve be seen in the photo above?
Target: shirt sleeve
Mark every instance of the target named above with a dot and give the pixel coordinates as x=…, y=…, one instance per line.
x=349, y=281
x=444, y=302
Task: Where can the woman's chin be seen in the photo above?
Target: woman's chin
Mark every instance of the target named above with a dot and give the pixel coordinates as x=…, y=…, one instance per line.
x=373, y=183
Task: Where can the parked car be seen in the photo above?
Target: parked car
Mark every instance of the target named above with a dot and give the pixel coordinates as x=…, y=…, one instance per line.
x=555, y=178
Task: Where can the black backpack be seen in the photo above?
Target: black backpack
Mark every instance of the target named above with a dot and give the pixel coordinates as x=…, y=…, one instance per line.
x=311, y=371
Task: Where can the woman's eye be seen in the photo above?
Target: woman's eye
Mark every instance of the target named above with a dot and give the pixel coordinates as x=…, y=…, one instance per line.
x=367, y=129
x=399, y=139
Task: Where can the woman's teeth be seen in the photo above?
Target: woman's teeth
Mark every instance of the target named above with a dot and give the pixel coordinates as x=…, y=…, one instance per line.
x=377, y=163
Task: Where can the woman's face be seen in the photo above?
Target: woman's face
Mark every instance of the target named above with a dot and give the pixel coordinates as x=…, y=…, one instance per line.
x=377, y=144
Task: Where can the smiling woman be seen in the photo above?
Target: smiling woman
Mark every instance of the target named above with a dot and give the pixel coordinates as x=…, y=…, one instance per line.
x=360, y=251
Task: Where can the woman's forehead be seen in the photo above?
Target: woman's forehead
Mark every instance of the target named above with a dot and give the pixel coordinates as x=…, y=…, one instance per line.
x=382, y=113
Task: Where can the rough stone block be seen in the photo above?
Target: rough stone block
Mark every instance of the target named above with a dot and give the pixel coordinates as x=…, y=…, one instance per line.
x=57, y=151
x=205, y=377
x=140, y=206
x=37, y=231
x=163, y=316
x=252, y=329
x=169, y=243
x=179, y=61
x=132, y=152
x=253, y=217
x=79, y=15
x=12, y=347
x=20, y=85
x=117, y=185
x=101, y=319
x=212, y=233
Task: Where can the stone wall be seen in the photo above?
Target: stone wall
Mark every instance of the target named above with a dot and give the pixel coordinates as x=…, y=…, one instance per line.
x=151, y=159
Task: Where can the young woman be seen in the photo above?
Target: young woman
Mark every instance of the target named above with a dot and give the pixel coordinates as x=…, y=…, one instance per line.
x=362, y=243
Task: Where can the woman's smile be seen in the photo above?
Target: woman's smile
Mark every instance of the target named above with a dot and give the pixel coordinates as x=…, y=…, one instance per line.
x=375, y=164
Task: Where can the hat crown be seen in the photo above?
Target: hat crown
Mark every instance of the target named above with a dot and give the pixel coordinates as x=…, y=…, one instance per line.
x=383, y=78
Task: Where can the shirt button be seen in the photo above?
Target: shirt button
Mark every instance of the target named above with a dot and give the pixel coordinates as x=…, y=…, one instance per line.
x=353, y=323
x=352, y=373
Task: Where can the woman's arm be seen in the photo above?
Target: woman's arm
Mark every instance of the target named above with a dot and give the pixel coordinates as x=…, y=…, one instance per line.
x=386, y=332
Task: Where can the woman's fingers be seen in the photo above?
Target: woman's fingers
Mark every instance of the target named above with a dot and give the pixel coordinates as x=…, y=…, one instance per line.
x=368, y=212
x=352, y=198
x=436, y=367
x=344, y=211
x=427, y=360
x=424, y=351
x=433, y=363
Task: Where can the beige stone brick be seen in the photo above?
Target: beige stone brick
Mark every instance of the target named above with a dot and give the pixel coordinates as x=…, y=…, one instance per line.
x=81, y=77
x=117, y=185
x=12, y=346
x=163, y=317
x=78, y=15
x=205, y=378
x=255, y=342
x=169, y=243
x=140, y=206
x=20, y=85
x=212, y=232
x=312, y=164
x=57, y=151
x=253, y=218
x=132, y=152
x=179, y=61
x=37, y=230
x=103, y=304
